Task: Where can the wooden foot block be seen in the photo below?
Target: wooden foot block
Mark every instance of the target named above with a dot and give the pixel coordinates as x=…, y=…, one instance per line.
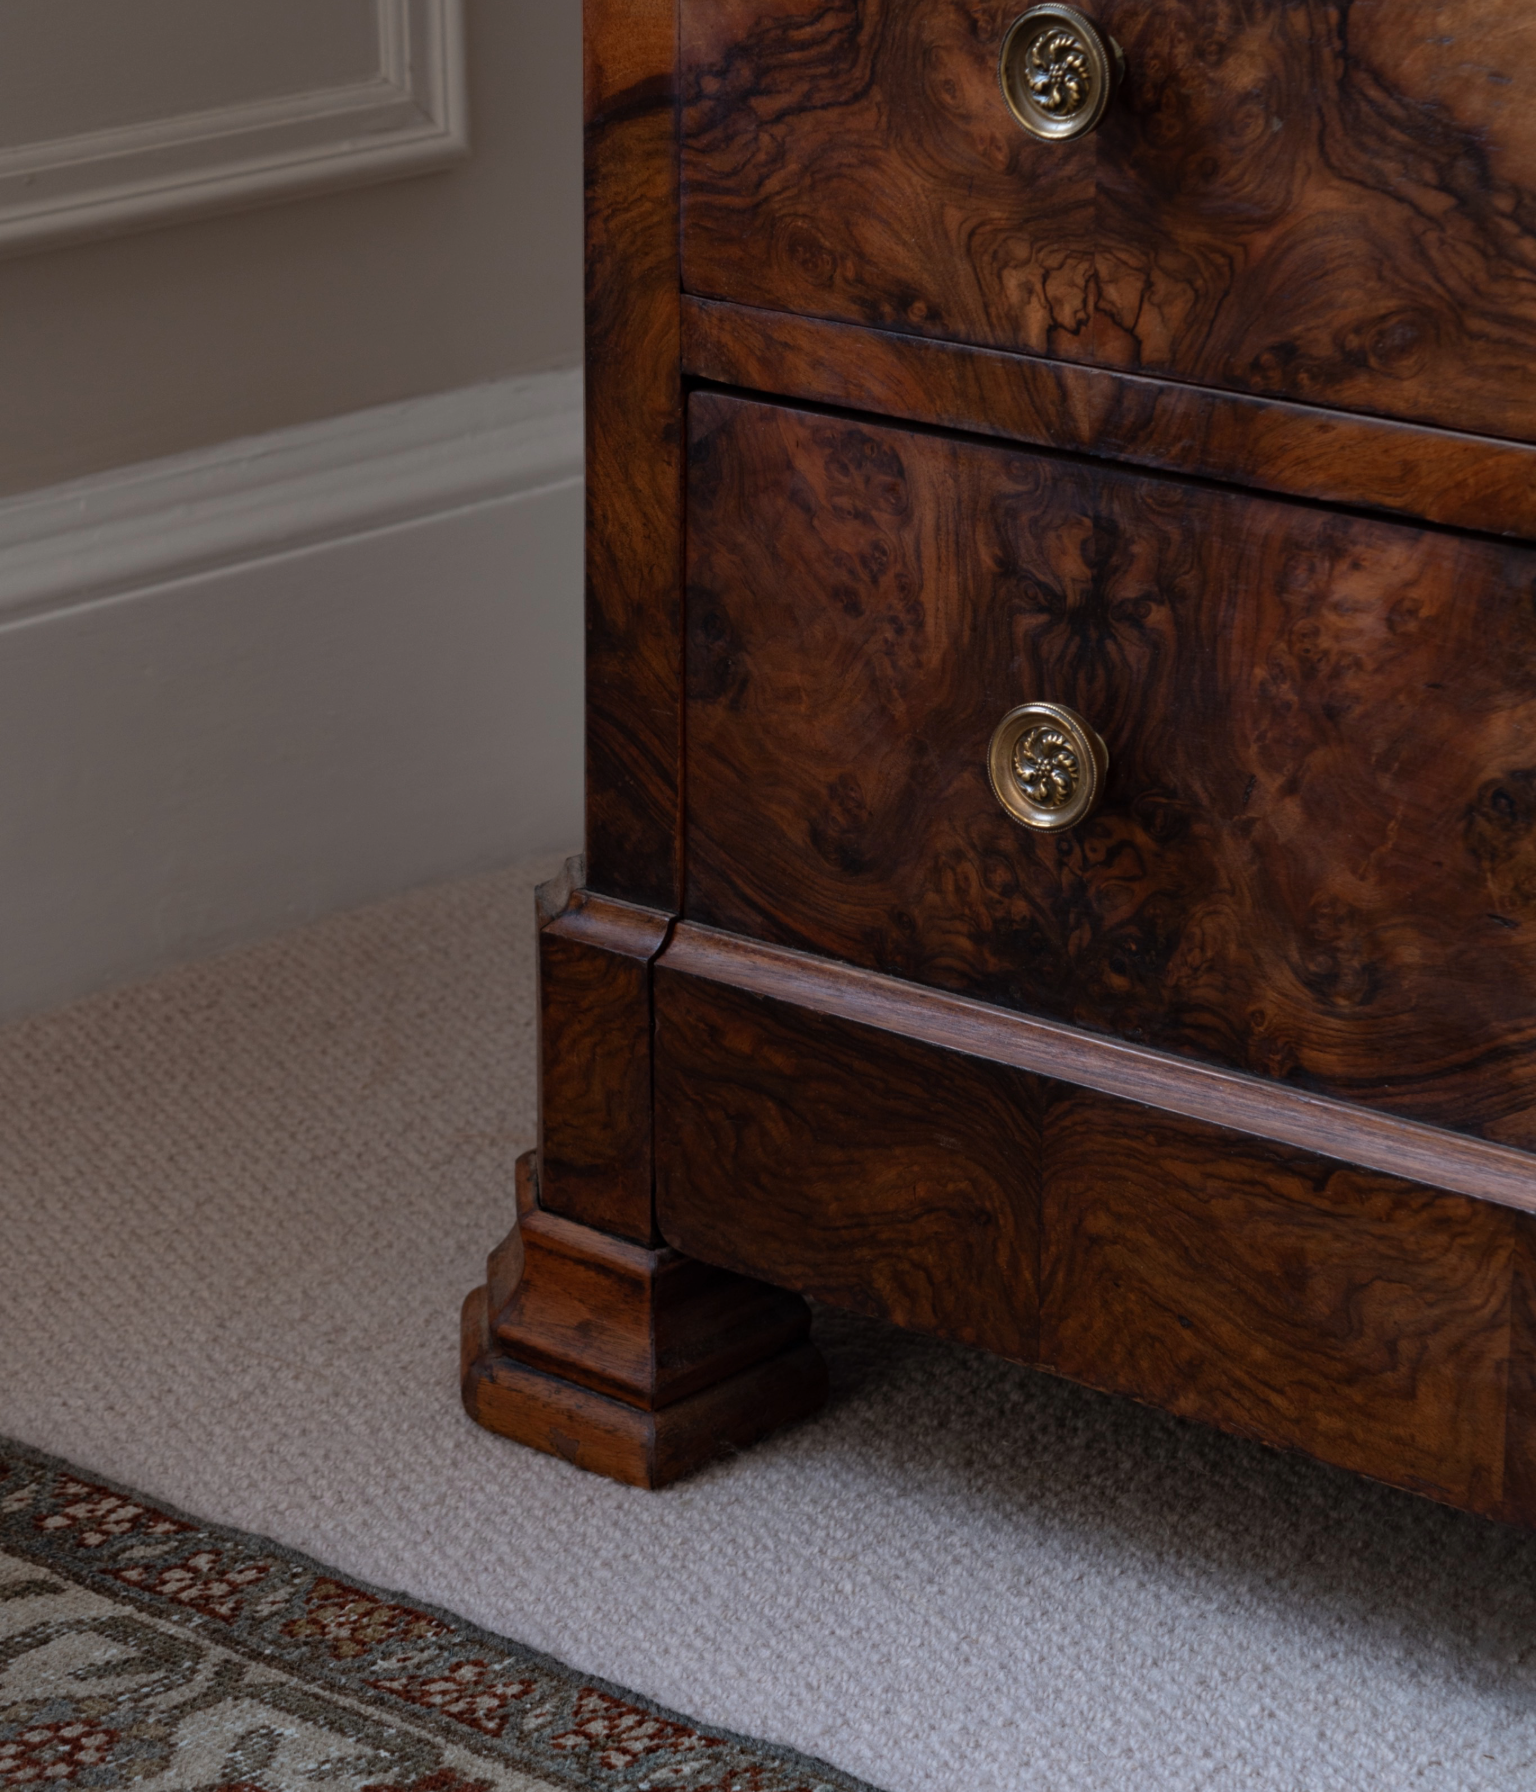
x=635, y=1363
x=645, y=1449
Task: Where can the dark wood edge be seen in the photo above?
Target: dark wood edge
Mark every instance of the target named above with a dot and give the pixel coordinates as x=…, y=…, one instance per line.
x=620, y=1258
x=594, y=1087
x=607, y=1437
x=1243, y=1104
x=604, y=922
x=1441, y=476
x=634, y=459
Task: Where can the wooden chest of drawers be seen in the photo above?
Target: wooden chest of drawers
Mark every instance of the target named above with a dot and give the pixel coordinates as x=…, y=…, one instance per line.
x=1061, y=862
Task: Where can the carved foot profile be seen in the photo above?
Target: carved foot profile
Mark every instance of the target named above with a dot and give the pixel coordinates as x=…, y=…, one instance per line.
x=639, y=1364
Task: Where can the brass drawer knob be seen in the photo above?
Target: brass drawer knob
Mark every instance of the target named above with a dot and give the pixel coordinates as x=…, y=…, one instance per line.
x=1047, y=766
x=1058, y=72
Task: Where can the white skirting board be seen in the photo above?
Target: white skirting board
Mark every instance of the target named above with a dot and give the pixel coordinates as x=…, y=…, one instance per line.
x=243, y=687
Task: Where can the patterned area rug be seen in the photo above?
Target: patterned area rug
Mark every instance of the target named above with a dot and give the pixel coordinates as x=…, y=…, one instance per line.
x=143, y=1648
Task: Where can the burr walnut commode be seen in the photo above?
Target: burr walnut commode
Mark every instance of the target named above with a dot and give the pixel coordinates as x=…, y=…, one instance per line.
x=1061, y=683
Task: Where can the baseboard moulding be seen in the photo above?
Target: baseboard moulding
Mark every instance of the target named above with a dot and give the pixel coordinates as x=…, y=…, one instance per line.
x=246, y=685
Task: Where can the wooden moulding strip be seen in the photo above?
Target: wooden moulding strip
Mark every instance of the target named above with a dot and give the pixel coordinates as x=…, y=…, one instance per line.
x=1244, y=1104
x=1377, y=463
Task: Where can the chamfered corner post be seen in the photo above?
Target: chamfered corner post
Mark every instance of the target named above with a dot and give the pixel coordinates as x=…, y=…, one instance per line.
x=591, y=1338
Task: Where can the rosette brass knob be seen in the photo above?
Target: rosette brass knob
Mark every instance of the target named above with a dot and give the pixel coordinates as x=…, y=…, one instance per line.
x=1058, y=72
x=1047, y=766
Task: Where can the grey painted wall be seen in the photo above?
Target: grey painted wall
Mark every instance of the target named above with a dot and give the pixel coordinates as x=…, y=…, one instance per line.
x=193, y=758
x=181, y=337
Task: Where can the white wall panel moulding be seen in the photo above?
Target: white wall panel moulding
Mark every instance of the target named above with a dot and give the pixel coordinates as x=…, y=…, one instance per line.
x=241, y=688
x=405, y=115
x=166, y=519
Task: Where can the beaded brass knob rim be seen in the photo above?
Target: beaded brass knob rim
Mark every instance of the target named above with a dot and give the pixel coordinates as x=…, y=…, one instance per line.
x=1058, y=72
x=1047, y=766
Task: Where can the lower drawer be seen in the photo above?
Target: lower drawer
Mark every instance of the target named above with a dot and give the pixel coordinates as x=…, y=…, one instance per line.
x=1314, y=858
x=1376, y=1324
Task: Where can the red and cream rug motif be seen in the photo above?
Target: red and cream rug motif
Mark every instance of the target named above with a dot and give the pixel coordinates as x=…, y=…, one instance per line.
x=140, y=1648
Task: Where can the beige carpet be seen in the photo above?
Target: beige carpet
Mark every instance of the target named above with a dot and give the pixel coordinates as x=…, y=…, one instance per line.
x=238, y=1209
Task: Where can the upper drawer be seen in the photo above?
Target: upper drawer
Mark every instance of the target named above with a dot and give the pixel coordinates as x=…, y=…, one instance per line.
x=1315, y=857
x=1336, y=203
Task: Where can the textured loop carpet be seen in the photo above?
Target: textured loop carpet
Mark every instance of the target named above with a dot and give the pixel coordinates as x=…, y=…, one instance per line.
x=239, y=1207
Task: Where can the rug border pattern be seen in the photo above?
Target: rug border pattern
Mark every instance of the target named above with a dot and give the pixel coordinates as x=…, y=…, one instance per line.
x=678, y=1748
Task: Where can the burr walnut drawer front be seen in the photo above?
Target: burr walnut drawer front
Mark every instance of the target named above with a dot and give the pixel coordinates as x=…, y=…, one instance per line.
x=1313, y=850
x=1331, y=202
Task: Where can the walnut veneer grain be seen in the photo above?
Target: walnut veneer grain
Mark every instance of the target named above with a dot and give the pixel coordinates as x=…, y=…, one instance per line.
x=1224, y=1098
x=1273, y=444
x=1333, y=202
x=634, y=451
x=883, y=1176
x=1316, y=855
